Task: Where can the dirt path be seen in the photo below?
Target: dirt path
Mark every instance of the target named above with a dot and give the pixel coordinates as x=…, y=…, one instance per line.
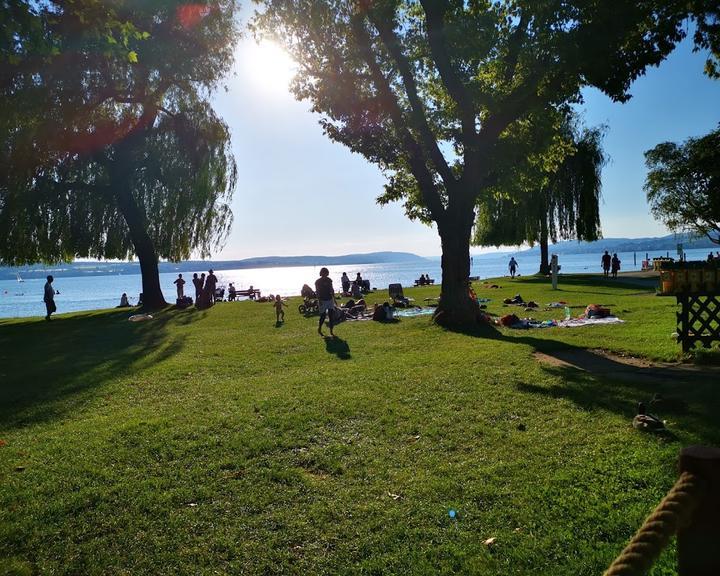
x=610, y=365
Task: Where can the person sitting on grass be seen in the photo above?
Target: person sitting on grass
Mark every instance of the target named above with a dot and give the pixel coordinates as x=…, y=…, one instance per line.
x=353, y=309
x=383, y=313
x=124, y=301
x=279, y=312
x=345, y=281
x=356, y=290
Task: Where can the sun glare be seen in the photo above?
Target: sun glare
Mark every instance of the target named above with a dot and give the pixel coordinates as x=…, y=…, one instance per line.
x=268, y=67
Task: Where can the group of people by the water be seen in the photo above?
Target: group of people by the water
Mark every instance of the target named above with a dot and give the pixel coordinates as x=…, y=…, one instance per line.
x=329, y=309
x=205, y=287
x=424, y=280
x=610, y=264
x=357, y=287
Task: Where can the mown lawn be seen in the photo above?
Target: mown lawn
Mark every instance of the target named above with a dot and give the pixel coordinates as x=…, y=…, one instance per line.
x=215, y=442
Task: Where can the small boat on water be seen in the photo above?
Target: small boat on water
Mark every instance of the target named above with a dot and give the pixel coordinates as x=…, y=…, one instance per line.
x=19, y=279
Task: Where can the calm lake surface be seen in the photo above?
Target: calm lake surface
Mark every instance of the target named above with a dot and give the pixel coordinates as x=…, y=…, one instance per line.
x=22, y=299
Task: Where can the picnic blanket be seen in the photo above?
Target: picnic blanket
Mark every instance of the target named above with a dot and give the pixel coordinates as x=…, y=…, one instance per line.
x=527, y=323
x=413, y=312
x=576, y=322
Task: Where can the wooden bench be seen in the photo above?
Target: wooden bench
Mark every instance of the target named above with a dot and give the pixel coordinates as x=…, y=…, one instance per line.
x=252, y=294
x=427, y=282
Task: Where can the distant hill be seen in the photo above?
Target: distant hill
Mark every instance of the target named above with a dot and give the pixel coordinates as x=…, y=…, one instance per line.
x=114, y=268
x=372, y=258
x=661, y=244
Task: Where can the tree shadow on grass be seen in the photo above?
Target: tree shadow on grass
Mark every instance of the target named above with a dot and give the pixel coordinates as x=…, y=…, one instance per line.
x=597, y=381
x=337, y=346
x=47, y=368
x=688, y=396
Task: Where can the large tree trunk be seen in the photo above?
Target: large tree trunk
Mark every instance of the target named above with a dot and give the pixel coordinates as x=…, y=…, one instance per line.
x=120, y=168
x=544, y=260
x=144, y=249
x=456, y=308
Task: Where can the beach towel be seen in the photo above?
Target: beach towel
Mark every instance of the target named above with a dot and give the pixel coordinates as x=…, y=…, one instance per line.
x=527, y=323
x=413, y=312
x=575, y=322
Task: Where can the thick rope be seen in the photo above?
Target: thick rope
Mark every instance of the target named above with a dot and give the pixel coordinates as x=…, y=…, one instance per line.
x=675, y=511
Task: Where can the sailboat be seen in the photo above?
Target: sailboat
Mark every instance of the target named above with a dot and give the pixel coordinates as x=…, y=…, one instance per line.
x=18, y=277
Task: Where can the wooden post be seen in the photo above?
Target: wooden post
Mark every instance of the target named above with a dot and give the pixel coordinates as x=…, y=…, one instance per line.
x=554, y=270
x=698, y=543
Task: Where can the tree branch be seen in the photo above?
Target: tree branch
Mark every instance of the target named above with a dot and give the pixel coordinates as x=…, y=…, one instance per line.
x=417, y=115
x=516, y=41
x=416, y=158
x=434, y=17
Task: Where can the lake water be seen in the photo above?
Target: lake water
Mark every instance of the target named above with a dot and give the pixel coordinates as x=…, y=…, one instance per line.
x=22, y=299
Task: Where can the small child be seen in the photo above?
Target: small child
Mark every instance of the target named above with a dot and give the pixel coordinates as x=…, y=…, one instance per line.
x=279, y=312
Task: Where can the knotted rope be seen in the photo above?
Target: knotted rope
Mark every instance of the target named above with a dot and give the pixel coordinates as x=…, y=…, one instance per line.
x=675, y=511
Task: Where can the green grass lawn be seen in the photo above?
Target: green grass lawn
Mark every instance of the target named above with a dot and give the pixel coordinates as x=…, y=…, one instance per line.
x=215, y=442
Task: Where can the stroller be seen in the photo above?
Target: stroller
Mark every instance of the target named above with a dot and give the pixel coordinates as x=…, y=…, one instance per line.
x=310, y=303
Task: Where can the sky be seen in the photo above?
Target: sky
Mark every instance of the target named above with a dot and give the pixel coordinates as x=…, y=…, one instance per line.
x=299, y=193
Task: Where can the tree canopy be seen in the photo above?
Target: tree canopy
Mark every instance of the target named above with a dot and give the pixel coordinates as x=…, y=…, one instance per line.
x=549, y=201
x=111, y=145
x=706, y=15
x=428, y=90
x=683, y=184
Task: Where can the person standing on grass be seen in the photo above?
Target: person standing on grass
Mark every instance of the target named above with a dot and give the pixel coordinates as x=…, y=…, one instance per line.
x=180, y=283
x=49, y=298
x=210, y=285
x=326, y=299
x=279, y=312
x=198, y=284
x=615, y=265
x=606, y=260
x=512, y=266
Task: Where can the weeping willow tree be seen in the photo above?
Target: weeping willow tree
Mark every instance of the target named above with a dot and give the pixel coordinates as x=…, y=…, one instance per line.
x=110, y=148
x=561, y=202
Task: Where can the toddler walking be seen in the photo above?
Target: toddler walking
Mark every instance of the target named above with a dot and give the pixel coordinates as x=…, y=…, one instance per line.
x=279, y=312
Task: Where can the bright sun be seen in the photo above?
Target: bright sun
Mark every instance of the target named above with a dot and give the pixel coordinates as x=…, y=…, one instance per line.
x=268, y=67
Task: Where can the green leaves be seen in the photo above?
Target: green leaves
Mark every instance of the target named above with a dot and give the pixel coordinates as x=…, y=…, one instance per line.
x=84, y=76
x=553, y=193
x=683, y=184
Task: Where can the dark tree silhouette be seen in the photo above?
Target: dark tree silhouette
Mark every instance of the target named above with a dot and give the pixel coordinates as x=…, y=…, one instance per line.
x=111, y=147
